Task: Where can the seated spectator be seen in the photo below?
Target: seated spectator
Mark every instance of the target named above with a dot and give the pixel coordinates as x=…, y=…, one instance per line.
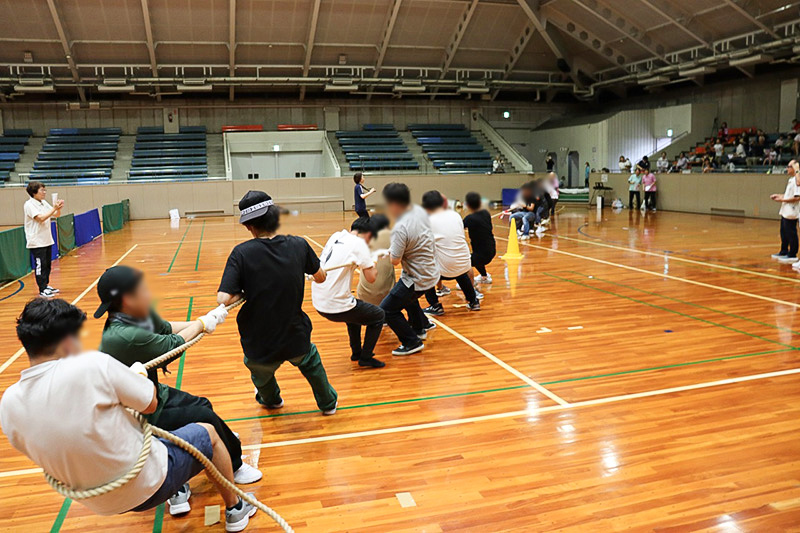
x=739, y=157
x=780, y=142
x=723, y=132
x=625, y=164
x=682, y=163
x=662, y=165
x=770, y=157
x=795, y=126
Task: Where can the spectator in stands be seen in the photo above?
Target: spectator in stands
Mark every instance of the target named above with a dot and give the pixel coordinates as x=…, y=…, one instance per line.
x=682, y=163
x=361, y=194
x=625, y=164
x=497, y=166
x=789, y=211
x=796, y=144
x=719, y=151
x=770, y=157
x=780, y=142
x=649, y=183
x=708, y=165
x=662, y=165
x=644, y=164
x=739, y=157
x=795, y=126
x=38, y=237
x=412, y=246
x=723, y=132
x=635, y=181
x=550, y=163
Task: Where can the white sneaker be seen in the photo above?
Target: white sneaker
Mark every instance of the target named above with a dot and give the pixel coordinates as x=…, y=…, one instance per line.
x=247, y=474
x=330, y=412
x=787, y=260
x=777, y=256
x=546, y=221
x=488, y=279
x=796, y=266
x=47, y=293
x=444, y=291
x=53, y=289
x=179, y=503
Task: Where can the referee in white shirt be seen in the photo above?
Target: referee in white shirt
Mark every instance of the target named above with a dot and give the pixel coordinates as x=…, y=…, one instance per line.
x=38, y=236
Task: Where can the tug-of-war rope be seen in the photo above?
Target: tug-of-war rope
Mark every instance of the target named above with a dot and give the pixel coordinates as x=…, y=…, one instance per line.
x=148, y=430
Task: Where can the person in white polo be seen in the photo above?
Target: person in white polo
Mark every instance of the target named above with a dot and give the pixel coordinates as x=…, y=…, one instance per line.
x=790, y=212
x=37, y=234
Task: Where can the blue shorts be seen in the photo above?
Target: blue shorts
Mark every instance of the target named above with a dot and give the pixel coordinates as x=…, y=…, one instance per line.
x=181, y=466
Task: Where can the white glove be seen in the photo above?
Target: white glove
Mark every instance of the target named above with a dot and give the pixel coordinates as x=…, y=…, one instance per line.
x=209, y=322
x=377, y=254
x=138, y=368
x=220, y=313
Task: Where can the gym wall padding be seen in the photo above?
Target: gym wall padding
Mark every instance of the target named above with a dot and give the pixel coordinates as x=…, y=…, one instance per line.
x=66, y=233
x=14, y=256
x=87, y=227
x=113, y=217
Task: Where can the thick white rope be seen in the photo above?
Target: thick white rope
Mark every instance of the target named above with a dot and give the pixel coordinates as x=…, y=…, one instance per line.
x=148, y=431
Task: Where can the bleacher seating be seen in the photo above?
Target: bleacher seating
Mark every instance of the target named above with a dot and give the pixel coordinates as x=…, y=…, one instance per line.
x=12, y=143
x=451, y=148
x=77, y=154
x=376, y=147
x=159, y=155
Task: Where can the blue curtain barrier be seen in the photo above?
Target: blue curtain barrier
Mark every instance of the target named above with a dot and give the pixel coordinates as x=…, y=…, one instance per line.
x=54, y=250
x=87, y=227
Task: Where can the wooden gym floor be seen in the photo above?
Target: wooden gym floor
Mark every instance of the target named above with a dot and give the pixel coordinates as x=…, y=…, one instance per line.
x=635, y=372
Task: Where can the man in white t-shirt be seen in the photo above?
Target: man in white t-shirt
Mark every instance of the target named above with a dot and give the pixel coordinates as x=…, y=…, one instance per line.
x=790, y=212
x=719, y=150
x=69, y=414
x=38, y=236
x=333, y=298
x=451, y=254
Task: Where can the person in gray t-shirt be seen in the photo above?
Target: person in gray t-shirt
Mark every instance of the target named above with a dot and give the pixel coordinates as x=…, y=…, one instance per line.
x=412, y=246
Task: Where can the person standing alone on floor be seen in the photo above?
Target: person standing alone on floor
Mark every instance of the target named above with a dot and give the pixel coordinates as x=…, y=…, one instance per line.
x=38, y=236
x=360, y=195
x=790, y=212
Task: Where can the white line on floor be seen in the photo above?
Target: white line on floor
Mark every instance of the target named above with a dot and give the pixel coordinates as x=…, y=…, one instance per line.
x=19, y=352
x=574, y=327
x=405, y=499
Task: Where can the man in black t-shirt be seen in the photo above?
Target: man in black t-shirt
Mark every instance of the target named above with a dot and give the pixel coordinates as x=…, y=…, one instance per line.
x=479, y=225
x=269, y=271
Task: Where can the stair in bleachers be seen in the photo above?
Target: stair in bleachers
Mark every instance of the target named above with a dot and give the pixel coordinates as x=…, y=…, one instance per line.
x=159, y=155
x=216, y=155
x=122, y=164
x=375, y=147
x=84, y=155
x=16, y=149
x=451, y=148
x=490, y=147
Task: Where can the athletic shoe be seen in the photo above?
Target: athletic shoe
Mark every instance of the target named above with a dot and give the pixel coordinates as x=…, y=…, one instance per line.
x=371, y=363
x=474, y=307
x=179, y=503
x=778, y=256
x=330, y=412
x=479, y=295
x=355, y=357
x=53, y=289
x=546, y=221
x=260, y=400
x=444, y=291
x=247, y=474
x=47, y=293
x=408, y=350
x=540, y=230
x=524, y=237
x=787, y=260
x=237, y=518
x=429, y=327
x=796, y=266
x=435, y=310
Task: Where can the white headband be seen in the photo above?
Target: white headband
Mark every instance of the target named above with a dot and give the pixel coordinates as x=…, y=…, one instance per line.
x=252, y=208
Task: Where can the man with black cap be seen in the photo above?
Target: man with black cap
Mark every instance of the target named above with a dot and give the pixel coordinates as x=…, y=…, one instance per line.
x=269, y=271
x=135, y=334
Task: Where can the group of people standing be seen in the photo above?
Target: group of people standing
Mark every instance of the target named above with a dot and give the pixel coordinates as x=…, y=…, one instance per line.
x=642, y=178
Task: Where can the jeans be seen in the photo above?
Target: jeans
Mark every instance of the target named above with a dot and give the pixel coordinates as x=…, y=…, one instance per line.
x=42, y=259
x=181, y=409
x=363, y=314
x=526, y=217
x=631, y=196
x=466, y=287
x=262, y=373
x=789, y=239
x=405, y=298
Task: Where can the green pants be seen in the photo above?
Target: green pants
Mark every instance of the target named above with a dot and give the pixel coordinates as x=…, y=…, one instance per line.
x=310, y=365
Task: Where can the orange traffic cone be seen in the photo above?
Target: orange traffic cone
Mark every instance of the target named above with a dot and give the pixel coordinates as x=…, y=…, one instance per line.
x=512, y=251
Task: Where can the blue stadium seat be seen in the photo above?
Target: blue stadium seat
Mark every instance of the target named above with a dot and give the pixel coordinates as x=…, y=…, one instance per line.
x=6, y=139
x=76, y=155
x=81, y=139
x=5, y=175
x=160, y=145
x=73, y=174
x=168, y=161
x=88, y=147
x=192, y=129
x=74, y=164
x=9, y=156
x=19, y=132
x=168, y=152
x=149, y=129
x=153, y=137
x=84, y=131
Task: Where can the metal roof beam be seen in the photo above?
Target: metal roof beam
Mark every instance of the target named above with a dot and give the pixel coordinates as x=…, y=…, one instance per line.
x=231, y=43
x=753, y=20
x=151, y=49
x=387, y=36
x=62, y=36
x=455, y=40
x=516, y=52
x=682, y=26
x=312, y=33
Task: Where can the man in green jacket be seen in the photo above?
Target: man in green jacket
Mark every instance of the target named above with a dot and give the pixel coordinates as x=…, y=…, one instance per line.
x=135, y=334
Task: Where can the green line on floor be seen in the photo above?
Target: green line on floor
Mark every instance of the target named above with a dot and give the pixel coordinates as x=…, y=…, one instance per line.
x=179, y=246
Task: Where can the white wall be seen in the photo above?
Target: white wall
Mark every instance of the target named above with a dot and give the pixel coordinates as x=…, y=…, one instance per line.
x=277, y=154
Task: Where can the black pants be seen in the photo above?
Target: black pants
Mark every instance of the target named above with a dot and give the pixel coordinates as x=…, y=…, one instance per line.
x=402, y=298
x=553, y=204
x=650, y=199
x=789, y=237
x=42, y=259
x=481, y=259
x=182, y=408
x=362, y=213
x=631, y=196
x=363, y=314
x=463, y=281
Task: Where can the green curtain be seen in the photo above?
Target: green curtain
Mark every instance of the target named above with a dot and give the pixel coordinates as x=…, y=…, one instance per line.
x=66, y=233
x=126, y=210
x=15, y=259
x=113, y=217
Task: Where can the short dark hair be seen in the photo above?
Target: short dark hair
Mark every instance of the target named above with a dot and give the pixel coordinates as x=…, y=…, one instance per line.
x=379, y=222
x=357, y=177
x=432, y=200
x=44, y=323
x=473, y=200
x=362, y=225
x=33, y=187
x=269, y=222
x=397, y=193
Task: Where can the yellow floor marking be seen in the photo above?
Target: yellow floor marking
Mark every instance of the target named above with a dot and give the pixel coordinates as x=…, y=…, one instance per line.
x=661, y=275
x=19, y=352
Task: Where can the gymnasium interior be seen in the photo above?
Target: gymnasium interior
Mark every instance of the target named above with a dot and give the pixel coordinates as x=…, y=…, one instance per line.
x=632, y=365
